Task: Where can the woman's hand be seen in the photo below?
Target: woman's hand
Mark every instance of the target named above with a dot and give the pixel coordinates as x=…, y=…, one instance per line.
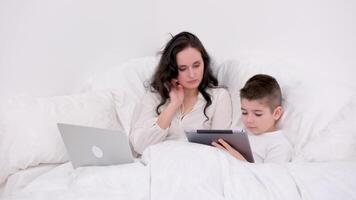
x=226, y=147
x=176, y=94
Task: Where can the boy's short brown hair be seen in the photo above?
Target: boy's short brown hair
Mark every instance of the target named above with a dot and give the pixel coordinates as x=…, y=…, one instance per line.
x=263, y=87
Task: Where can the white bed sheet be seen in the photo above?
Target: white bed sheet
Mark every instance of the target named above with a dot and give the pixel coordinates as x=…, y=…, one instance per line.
x=180, y=170
x=21, y=179
x=2, y=187
x=129, y=181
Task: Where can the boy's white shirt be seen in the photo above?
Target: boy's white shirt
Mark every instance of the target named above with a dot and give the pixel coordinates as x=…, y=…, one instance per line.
x=270, y=147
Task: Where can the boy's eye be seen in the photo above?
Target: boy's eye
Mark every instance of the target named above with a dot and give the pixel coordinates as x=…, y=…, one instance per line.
x=244, y=113
x=258, y=114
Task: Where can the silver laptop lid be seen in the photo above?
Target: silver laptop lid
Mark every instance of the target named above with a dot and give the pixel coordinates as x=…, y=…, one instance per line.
x=88, y=146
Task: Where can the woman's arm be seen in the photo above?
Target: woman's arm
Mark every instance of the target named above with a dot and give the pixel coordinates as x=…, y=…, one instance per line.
x=144, y=128
x=148, y=128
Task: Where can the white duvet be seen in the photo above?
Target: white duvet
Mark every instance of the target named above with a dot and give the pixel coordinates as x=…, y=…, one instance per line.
x=180, y=170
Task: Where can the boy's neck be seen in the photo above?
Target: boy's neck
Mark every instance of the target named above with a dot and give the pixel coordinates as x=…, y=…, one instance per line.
x=272, y=130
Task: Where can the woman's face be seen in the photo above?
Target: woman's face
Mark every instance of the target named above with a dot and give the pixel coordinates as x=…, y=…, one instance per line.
x=190, y=68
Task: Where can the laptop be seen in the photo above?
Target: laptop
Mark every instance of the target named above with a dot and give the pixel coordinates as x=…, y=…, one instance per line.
x=88, y=146
x=237, y=139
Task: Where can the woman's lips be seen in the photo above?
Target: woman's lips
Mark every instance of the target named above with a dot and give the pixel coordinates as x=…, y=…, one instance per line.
x=193, y=81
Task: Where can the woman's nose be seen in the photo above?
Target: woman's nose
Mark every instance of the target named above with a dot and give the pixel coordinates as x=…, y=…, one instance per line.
x=191, y=72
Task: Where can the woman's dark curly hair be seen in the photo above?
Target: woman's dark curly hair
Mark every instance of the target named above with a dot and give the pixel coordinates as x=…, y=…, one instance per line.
x=167, y=68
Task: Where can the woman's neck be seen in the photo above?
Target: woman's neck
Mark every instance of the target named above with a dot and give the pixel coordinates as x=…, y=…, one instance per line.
x=190, y=99
x=189, y=93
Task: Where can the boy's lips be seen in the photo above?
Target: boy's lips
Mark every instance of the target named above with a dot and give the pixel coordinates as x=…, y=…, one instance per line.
x=251, y=127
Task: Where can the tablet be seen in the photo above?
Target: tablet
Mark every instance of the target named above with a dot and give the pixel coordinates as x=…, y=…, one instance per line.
x=237, y=139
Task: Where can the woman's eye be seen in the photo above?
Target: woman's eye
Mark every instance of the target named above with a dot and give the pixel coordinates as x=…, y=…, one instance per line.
x=244, y=113
x=182, y=69
x=196, y=66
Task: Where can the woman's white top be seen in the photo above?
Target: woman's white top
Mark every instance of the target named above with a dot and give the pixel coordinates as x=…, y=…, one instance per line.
x=145, y=130
x=270, y=147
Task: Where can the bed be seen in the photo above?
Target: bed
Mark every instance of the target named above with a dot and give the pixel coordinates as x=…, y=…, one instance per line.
x=321, y=127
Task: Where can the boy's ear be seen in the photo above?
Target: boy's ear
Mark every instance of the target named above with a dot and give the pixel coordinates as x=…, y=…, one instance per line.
x=277, y=113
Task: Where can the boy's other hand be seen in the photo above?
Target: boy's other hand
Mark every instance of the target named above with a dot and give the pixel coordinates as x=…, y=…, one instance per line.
x=225, y=146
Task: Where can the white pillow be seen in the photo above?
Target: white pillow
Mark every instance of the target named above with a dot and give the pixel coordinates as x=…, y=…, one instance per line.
x=96, y=109
x=234, y=73
x=337, y=141
x=128, y=83
x=310, y=111
x=29, y=134
x=311, y=106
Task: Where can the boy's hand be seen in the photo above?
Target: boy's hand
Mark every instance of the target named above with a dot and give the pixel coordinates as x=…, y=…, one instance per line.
x=225, y=146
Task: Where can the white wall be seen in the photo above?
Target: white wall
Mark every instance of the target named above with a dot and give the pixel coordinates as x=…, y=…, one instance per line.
x=318, y=35
x=48, y=46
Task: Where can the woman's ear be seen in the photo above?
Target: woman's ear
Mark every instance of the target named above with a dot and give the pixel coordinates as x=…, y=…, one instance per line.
x=277, y=113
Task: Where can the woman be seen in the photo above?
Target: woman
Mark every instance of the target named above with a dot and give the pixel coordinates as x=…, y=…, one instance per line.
x=183, y=96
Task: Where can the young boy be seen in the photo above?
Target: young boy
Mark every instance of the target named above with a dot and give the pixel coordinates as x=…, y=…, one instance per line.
x=261, y=109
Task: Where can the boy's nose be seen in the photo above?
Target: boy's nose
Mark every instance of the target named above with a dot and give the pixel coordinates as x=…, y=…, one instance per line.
x=249, y=118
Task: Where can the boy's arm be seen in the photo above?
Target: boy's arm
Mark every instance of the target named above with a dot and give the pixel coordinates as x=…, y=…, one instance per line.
x=279, y=154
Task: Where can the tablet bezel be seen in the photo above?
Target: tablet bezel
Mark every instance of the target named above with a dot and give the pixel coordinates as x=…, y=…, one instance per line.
x=238, y=139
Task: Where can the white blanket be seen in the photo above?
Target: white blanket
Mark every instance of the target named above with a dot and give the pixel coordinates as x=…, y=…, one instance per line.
x=179, y=170
x=191, y=171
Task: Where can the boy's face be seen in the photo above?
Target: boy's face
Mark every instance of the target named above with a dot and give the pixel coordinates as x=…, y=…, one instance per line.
x=257, y=117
